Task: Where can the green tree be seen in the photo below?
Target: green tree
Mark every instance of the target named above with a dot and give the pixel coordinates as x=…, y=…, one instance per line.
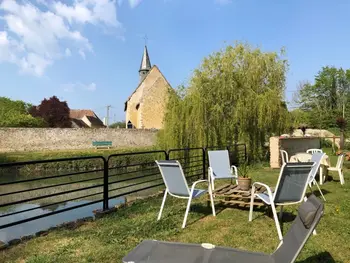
x=299, y=118
x=326, y=99
x=118, y=124
x=235, y=95
x=14, y=113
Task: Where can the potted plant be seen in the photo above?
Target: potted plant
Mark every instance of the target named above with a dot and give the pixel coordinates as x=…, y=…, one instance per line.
x=244, y=181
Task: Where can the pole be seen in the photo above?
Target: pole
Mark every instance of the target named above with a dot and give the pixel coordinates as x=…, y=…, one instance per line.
x=107, y=118
x=105, y=184
x=204, y=152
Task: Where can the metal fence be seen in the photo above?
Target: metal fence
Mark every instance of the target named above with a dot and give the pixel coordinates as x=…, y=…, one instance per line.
x=101, y=179
x=51, y=193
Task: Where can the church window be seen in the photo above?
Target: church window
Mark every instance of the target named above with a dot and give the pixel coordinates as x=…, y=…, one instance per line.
x=130, y=126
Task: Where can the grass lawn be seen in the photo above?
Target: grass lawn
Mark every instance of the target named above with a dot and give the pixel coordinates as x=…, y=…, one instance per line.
x=110, y=238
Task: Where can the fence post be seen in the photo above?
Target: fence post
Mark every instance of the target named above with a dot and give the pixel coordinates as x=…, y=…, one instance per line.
x=204, y=160
x=166, y=155
x=105, y=184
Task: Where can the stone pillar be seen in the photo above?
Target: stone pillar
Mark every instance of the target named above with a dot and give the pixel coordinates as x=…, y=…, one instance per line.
x=274, y=152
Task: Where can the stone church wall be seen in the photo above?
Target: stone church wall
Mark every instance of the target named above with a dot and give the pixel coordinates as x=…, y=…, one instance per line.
x=38, y=139
x=132, y=114
x=151, y=95
x=154, y=105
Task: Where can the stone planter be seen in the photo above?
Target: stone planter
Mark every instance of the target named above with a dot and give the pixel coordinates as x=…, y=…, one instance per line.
x=244, y=183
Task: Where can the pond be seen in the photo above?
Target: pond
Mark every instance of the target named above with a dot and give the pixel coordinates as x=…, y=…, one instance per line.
x=74, y=197
x=44, y=223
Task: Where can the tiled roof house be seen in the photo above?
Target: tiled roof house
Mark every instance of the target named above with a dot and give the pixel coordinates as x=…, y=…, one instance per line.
x=85, y=119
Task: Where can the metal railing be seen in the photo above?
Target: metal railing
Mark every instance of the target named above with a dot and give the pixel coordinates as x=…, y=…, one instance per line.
x=103, y=179
x=11, y=198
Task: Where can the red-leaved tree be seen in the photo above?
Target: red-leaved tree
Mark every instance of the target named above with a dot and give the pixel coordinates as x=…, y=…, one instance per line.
x=53, y=111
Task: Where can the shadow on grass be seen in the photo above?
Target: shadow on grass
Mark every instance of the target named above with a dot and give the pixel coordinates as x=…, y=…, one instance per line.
x=331, y=179
x=324, y=257
x=204, y=210
x=317, y=193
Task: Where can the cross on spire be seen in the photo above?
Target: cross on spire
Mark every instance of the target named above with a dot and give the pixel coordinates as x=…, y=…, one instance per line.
x=145, y=38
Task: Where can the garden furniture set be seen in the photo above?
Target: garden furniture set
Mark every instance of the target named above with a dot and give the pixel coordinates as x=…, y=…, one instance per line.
x=296, y=175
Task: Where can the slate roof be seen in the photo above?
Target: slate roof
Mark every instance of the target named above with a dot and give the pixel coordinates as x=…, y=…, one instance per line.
x=145, y=61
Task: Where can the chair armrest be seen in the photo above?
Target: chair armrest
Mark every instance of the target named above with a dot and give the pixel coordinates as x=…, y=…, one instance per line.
x=210, y=173
x=269, y=192
x=234, y=168
x=199, y=181
x=196, y=182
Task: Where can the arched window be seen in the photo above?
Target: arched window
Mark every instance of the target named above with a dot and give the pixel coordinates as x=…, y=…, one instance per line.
x=130, y=126
x=137, y=106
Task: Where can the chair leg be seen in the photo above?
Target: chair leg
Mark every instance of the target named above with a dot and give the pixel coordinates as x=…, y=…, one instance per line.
x=187, y=210
x=321, y=175
x=281, y=213
x=251, y=204
x=211, y=199
x=341, y=176
x=278, y=227
x=162, y=206
x=319, y=189
x=310, y=186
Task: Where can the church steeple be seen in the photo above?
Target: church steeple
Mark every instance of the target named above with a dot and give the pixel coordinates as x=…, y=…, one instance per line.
x=145, y=66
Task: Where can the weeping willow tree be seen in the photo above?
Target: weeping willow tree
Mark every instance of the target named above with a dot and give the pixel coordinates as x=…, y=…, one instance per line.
x=235, y=95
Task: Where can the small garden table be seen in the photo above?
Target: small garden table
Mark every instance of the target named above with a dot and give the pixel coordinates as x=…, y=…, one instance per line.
x=232, y=194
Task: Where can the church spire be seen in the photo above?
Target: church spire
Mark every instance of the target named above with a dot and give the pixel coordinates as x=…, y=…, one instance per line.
x=145, y=66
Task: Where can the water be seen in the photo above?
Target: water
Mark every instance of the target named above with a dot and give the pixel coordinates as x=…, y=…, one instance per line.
x=34, y=226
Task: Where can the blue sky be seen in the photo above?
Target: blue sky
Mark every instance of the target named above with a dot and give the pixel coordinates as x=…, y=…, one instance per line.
x=88, y=52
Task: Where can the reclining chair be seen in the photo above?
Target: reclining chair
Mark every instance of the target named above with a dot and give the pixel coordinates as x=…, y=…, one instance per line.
x=152, y=251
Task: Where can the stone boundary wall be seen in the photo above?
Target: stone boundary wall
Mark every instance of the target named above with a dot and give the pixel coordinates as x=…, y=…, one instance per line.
x=39, y=139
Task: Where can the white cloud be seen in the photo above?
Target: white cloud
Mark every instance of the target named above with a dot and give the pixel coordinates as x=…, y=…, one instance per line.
x=68, y=53
x=91, y=86
x=82, y=54
x=33, y=38
x=132, y=3
x=223, y=2
x=71, y=87
x=34, y=64
x=89, y=11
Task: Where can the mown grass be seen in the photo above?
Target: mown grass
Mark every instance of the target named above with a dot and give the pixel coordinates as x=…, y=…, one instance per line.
x=110, y=238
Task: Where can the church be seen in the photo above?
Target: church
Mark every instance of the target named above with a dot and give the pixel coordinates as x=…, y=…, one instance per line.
x=145, y=107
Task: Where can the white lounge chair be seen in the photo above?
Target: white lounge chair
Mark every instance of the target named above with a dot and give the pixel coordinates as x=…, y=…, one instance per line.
x=339, y=168
x=284, y=156
x=153, y=251
x=290, y=189
x=176, y=186
x=312, y=151
x=316, y=158
x=219, y=166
